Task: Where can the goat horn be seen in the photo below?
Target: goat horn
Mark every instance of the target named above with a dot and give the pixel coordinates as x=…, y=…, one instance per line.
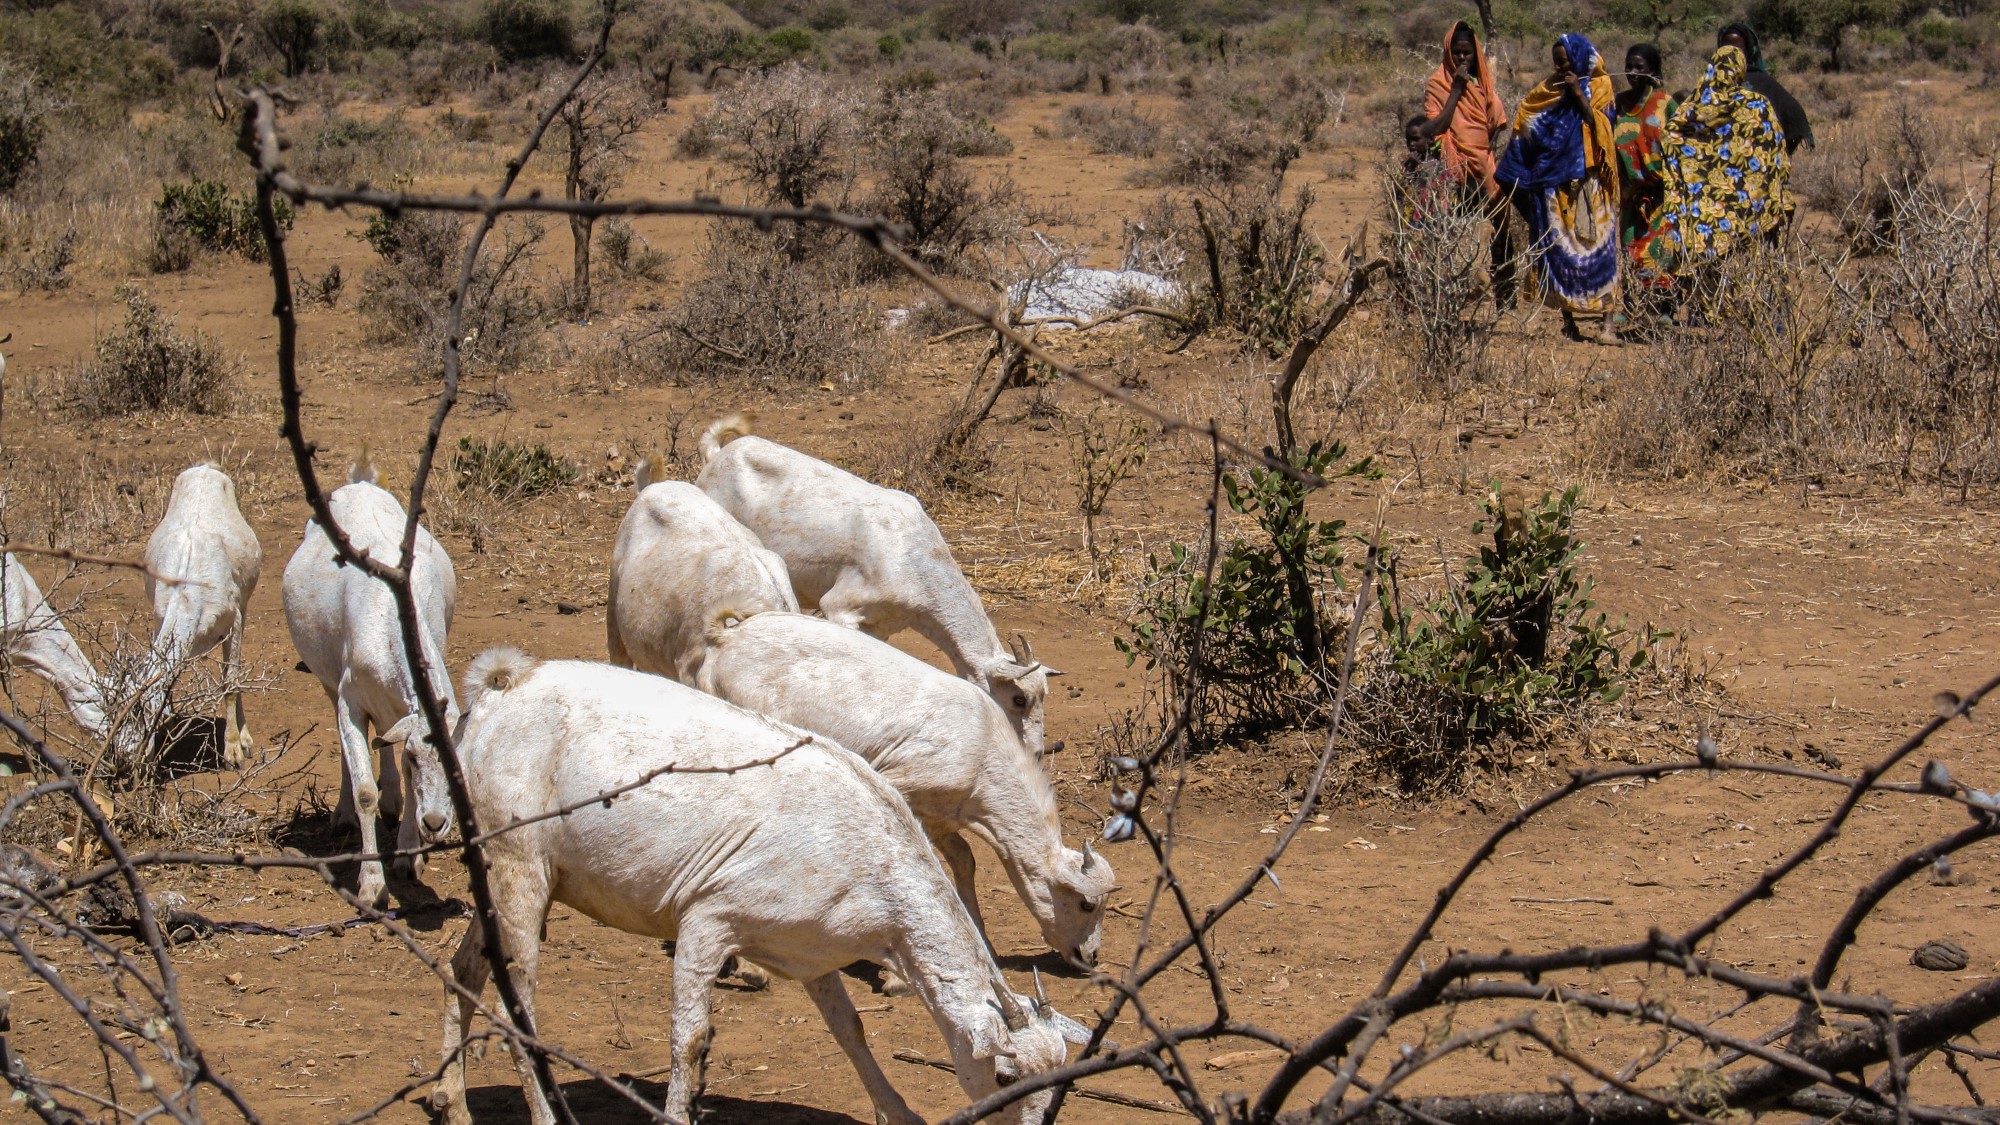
x=1010, y=1008
x=1028, y=646
x=1041, y=994
x=1089, y=857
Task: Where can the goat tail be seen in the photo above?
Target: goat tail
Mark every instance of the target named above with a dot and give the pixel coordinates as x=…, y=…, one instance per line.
x=363, y=469
x=495, y=671
x=721, y=622
x=646, y=473
x=725, y=430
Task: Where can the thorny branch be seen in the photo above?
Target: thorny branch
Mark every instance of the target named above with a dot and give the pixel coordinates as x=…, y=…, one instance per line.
x=1815, y=1074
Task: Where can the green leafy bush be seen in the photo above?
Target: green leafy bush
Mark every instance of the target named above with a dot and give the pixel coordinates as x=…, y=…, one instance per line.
x=507, y=471
x=528, y=29
x=1263, y=647
x=206, y=215
x=1515, y=638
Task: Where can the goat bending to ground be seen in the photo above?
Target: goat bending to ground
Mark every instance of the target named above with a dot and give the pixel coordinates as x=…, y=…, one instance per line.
x=37, y=642
x=345, y=626
x=868, y=558
x=945, y=746
x=775, y=845
x=680, y=558
x=202, y=564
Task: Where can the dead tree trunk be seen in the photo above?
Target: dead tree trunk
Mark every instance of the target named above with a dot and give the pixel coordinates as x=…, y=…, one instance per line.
x=1359, y=276
x=219, y=102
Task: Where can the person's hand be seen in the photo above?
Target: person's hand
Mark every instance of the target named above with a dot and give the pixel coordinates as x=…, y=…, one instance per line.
x=1574, y=83
x=1464, y=75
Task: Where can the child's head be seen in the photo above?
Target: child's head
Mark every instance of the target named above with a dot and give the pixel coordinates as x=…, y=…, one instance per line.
x=1414, y=140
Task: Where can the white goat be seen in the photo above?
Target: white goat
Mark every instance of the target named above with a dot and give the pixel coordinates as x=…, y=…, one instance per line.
x=945, y=746
x=679, y=559
x=868, y=558
x=776, y=846
x=210, y=560
x=37, y=642
x=344, y=625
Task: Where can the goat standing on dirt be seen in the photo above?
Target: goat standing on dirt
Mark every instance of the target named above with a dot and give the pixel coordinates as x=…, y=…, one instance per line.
x=344, y=624
x=870, y=559
x=37, y=642
x=775, y=845
x=945, y=746
x=679, y=559
x=202, y=564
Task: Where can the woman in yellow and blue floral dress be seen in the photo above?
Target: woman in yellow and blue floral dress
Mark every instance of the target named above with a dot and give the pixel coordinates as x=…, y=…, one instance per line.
x=1727, y=170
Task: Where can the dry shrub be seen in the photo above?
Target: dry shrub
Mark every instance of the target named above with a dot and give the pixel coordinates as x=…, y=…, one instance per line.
x=46, y=264
x=338, y=148
x=759, y=310
x=26, y=107
x=628, y=253
x=1783, y=377
x=789, y=133
x=1250, y=262
x=1434, y=237
x=917, y=145
x=1117, y=128
x=1860, y=164
x=148, y=364
x=406, y=298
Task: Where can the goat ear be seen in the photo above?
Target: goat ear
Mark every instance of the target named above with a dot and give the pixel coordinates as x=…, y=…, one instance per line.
x=1072, y=1031
x=1052, y=672
x=403, y=731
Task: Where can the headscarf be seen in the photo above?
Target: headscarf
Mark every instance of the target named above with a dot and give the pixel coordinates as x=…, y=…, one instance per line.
x=1468, y=144
x=1753, y=48
x=1727, y=168
x=1791, y=115
x=1555, y=143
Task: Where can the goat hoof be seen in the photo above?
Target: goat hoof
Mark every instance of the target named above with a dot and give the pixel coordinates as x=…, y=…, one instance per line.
x=372, y=891
x=895, y=985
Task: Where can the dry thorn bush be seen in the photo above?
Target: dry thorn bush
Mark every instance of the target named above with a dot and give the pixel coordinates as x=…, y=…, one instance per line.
x=147, y=364
x=756, y=314
x=405, y=297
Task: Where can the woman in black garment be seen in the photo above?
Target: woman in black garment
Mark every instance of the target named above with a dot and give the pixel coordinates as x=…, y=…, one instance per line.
x=1791, y=115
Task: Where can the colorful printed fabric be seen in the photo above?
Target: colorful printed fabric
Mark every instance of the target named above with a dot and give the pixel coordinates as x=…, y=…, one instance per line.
x=1642, y=189
x=1562, y=167
x=1425, y=190
x=1468, y=144
x=1726, y=167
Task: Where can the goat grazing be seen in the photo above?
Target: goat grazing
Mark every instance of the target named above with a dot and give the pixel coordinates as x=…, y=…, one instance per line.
x=868, y=558
x=770, y=844
x=678, y=559
x=345, y=626
x=37, y=642
x=945, y=746
x=202, y=564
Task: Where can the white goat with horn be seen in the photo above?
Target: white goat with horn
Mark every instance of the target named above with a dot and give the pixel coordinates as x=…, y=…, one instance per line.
x=945, y=746
x=345, y=626
x=771, y=844
x=869, y=558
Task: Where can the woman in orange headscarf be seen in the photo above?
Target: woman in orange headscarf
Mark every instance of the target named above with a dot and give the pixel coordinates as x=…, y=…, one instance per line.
x=1467, y=118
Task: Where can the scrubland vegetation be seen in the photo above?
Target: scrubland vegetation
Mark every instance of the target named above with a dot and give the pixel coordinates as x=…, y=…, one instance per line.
x=1288, y=534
